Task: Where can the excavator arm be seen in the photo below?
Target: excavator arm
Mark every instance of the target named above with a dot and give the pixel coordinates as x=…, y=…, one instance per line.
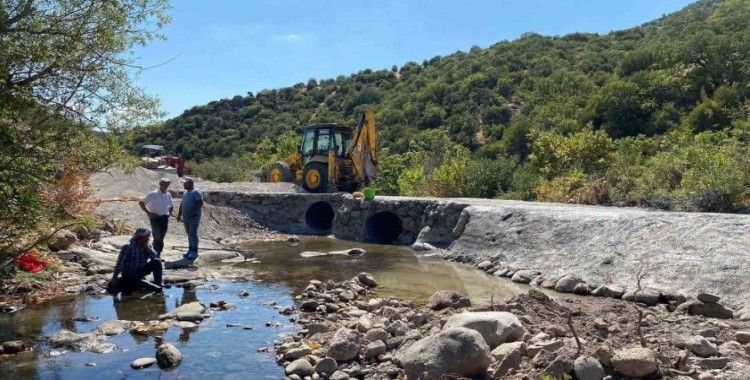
x=364, y=152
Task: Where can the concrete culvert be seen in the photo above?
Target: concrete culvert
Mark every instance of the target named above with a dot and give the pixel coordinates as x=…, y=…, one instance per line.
x=319, y=217
x=383, y=227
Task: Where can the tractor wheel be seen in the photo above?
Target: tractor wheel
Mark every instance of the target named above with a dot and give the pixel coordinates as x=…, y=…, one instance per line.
x=279, y=172
x=315, y=177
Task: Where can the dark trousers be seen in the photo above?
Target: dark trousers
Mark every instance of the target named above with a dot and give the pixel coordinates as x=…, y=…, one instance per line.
x=136, y=281
x=159, y=226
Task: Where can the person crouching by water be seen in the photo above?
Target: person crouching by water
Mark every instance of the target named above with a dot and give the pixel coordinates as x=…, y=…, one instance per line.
x=136, y=260
x=158, y=206
x=190, y=215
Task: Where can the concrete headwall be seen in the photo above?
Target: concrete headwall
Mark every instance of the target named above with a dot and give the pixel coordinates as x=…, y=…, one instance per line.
x=680, y=252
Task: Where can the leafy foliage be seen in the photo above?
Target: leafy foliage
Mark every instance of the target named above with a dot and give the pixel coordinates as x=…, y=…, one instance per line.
x=65, y=73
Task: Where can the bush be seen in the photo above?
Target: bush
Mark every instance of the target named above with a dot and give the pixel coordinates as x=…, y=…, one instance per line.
x=489, y=178
x=449, y=179
x=525, y=181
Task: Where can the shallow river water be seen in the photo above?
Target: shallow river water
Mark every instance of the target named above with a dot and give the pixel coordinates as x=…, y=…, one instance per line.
x=216, y=350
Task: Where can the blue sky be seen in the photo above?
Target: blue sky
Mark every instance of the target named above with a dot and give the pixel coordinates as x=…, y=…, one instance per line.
x=226, y=48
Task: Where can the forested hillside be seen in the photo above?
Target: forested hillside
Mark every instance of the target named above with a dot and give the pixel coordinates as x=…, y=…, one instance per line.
x=654, y=115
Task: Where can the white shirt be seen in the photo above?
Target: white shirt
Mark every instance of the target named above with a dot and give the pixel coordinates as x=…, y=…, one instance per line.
x=158, y=202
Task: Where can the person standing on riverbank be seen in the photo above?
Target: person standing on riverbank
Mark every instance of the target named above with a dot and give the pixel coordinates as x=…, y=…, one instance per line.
x=190, y=215
x=158, y=206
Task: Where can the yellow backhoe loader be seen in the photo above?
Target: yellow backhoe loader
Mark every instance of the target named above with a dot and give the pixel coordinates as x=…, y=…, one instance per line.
x=332, y=157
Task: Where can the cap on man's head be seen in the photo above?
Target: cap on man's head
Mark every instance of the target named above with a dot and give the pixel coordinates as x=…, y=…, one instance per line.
x=165, y=180
x=141, y=232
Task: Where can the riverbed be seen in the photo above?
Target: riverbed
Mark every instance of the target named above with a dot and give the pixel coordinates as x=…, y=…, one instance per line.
x=215, y=349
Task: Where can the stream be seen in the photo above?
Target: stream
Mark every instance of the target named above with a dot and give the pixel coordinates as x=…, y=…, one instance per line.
x=215, y=349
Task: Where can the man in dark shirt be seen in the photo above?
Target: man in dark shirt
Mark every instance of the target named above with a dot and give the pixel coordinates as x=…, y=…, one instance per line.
x=136, y=260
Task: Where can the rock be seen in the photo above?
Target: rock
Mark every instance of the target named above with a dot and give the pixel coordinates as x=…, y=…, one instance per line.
x=422, y=247
x=588, y=368
x=375, y=349
x=708, y=298
x=344, y=345
x=367, y=280
x=243, y=293
x=524, y=276
x=608, y=291
x=645, y=296
x=309, y=305
x=484, y=265
x=559, y=368
x=377, y=334
x=185, y=325
x=326, y=365
x=150, y=327
x=339, y=375
x=13, y=347
x=114, y=327
x=67, y=338
x=742, y=336
x=142, y=363
x=582, y=289
x=186, y=312
x=168, y=356
x=635, y=362
x=458, y=351
x=297, y=353
x=301, y=367
x=710, y=310
x=509, y=356
x=702, y=347
x=496, y=327
x=567, y=284
x=551, y=345
x=444, y=299
x=62, y=240
x=713, y=363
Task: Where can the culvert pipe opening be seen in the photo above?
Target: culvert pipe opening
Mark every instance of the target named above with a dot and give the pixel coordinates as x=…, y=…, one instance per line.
x=383, y=227
x=319, y=217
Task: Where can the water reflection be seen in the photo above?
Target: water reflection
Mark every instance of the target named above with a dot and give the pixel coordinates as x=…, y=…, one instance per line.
x=397, y=269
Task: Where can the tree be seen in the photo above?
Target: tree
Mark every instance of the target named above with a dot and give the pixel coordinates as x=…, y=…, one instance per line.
x=65, y=70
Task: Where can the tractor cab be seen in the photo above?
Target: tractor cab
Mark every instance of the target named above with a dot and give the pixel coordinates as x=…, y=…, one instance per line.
x=319, y=139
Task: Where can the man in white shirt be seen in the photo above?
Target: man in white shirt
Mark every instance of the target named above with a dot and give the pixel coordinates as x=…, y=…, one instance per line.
x=158, y=206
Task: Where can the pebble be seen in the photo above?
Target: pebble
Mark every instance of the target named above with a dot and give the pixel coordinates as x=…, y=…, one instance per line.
x=142, y=363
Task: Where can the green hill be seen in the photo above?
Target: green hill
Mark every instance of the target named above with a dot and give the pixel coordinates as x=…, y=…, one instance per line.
x=656, y=114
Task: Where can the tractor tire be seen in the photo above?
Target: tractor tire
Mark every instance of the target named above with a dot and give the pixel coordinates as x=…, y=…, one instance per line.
x=315, y=177
x=279, y=172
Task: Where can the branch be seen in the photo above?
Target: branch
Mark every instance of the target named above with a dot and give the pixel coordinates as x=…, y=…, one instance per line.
x=569, y=321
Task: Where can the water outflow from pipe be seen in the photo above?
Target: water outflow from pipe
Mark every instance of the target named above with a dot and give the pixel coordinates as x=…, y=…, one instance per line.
x=383, y=227
x=319, y=217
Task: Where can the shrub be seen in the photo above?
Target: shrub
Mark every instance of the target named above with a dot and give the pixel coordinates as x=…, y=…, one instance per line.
x=524, y=183
x=449, y=179
x=489, y=178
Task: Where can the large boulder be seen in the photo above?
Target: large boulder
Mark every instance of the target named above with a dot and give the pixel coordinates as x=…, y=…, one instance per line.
x=588, y=368
x=168, y=356
x=710, y=309
x=458, y=351
x=344, y=345
x=13, y=347
x=62, y=240
x=496, y=327
x=567, y=284
x=646, y=296
x=508, y=356
x=445, y=299
x=635, y=362
x=301, y=367
x=190, y=311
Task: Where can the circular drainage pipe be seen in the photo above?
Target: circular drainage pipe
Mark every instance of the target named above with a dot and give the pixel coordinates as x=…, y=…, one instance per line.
x=319, y=217
x=383, y=227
